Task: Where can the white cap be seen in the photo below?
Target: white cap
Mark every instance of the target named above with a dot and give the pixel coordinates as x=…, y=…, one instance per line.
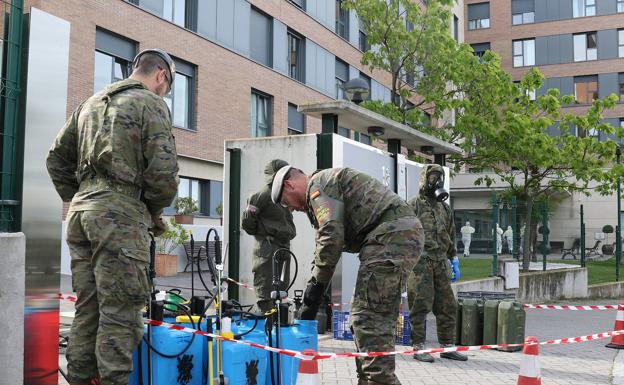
x=278, y=183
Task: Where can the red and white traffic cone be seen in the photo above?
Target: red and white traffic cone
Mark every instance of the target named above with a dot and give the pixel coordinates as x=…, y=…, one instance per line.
x=308, y=370
x=530, y=368
x=617, y=342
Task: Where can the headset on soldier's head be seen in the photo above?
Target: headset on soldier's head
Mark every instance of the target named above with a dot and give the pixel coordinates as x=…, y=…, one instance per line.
x=164, y=56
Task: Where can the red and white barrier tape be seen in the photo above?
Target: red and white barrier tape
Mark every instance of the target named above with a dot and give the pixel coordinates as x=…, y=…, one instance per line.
x=322, y=356
x=571, y=307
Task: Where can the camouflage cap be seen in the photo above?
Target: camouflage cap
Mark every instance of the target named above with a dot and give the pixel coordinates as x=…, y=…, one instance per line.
x=278, y=183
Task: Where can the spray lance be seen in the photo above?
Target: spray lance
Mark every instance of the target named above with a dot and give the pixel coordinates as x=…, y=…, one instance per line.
x=220, y=380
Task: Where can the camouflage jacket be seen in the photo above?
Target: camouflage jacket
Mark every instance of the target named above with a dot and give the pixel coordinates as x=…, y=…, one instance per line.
x=267, y=220
x=437, y=221
x=345, y=205
x=116, y=152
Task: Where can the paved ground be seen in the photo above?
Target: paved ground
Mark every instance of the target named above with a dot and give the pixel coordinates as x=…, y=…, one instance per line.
x=582, y=363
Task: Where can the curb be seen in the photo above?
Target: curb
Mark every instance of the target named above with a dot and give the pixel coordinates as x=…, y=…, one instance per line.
x=618, y=369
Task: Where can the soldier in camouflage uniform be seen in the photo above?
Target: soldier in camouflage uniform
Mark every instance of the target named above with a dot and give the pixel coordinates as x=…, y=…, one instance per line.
x=115, y=160
x=272, y=226
x=429, y=285
x=353, y=212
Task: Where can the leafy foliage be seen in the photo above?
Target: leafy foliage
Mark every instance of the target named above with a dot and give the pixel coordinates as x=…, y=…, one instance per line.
x=174, y=236
x=185, y=206
x=537, y=149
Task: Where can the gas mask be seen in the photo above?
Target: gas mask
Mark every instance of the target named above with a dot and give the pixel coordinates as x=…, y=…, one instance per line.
x=435, y=186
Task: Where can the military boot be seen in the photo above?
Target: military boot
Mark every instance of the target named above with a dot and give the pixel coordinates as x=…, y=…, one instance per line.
x=422, y=357
x=453, y=355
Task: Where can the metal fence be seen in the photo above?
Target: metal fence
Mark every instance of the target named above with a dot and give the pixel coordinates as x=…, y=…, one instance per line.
x=11, y=127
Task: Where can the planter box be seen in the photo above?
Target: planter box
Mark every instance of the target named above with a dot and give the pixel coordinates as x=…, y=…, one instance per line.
x=166, y=265
x=184, y=219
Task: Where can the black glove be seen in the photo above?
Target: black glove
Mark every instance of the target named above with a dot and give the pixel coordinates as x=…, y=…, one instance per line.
x=312, y=299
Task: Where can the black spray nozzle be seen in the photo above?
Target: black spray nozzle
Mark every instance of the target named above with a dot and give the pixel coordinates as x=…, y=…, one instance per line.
x=152, y=272
x=218, y=255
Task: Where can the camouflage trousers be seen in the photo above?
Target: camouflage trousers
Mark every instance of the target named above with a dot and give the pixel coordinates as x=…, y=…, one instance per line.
x=389, y=254
x=109, y=263
x=429, y=289
x=262, y=269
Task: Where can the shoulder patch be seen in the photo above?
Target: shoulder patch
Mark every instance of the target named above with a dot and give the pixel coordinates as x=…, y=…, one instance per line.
x=315, y=194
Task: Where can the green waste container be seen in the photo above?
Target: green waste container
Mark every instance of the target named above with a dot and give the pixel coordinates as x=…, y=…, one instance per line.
x=458, y=321
x=472, y=322
x=490, y=321
x=511, y=322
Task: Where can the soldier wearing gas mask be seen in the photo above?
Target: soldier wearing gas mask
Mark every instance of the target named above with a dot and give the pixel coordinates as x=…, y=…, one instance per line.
x=429, y=285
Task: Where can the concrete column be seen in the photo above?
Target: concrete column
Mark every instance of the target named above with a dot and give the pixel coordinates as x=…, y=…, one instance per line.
x=12, y=258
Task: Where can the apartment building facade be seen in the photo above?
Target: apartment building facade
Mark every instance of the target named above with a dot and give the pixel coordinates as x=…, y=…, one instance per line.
x=242, y=68
x=579, y=47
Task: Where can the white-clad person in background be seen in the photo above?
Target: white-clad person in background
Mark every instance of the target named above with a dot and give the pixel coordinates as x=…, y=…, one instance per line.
x=508, y=234
x=499, y=239
x=466, y=234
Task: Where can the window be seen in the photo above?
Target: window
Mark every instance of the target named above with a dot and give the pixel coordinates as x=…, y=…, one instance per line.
x=621, y=86
x=296, y=56
x=171, y=10
x=299, y=3
x=342, y=21
x=181, y=98
x=342, y=76
x=523, y=18
x=585, y=46
x=261, y=114
x=364, y=138
x=621, y=42
x=261, y=38
x=113, y=58
x=455, y=28
x=480, y=48
x=593, y=133
x=367, y=79
x=344, y=132
x=522, y=11
x=363, y=39
x=524, y=53
x=207, y=193
x=582, y=8
x=586, y=89
x=622, y=122
x=620, y=6
x=296, y=120
x=478, y=16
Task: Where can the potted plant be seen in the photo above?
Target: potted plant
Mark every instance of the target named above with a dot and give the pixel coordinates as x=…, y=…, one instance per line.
x=185, y=207
x=166, y=262
x=607, y=248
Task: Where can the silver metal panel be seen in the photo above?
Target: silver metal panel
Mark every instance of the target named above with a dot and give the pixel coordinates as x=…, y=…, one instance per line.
x=225, y=22
x=242, y=11
x=607, y=44
x=353, y=72
x=376, y=163
x=329, y=74
x=354, y=29
x=310, y=63
x=608, y=84
x=280, y=47
x=298, y=150
x=46, y=104
x=207, y=18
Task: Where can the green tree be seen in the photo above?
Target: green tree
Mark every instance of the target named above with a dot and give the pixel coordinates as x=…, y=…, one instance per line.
x=539, y=151
x=430, y=72
x=496, y=123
